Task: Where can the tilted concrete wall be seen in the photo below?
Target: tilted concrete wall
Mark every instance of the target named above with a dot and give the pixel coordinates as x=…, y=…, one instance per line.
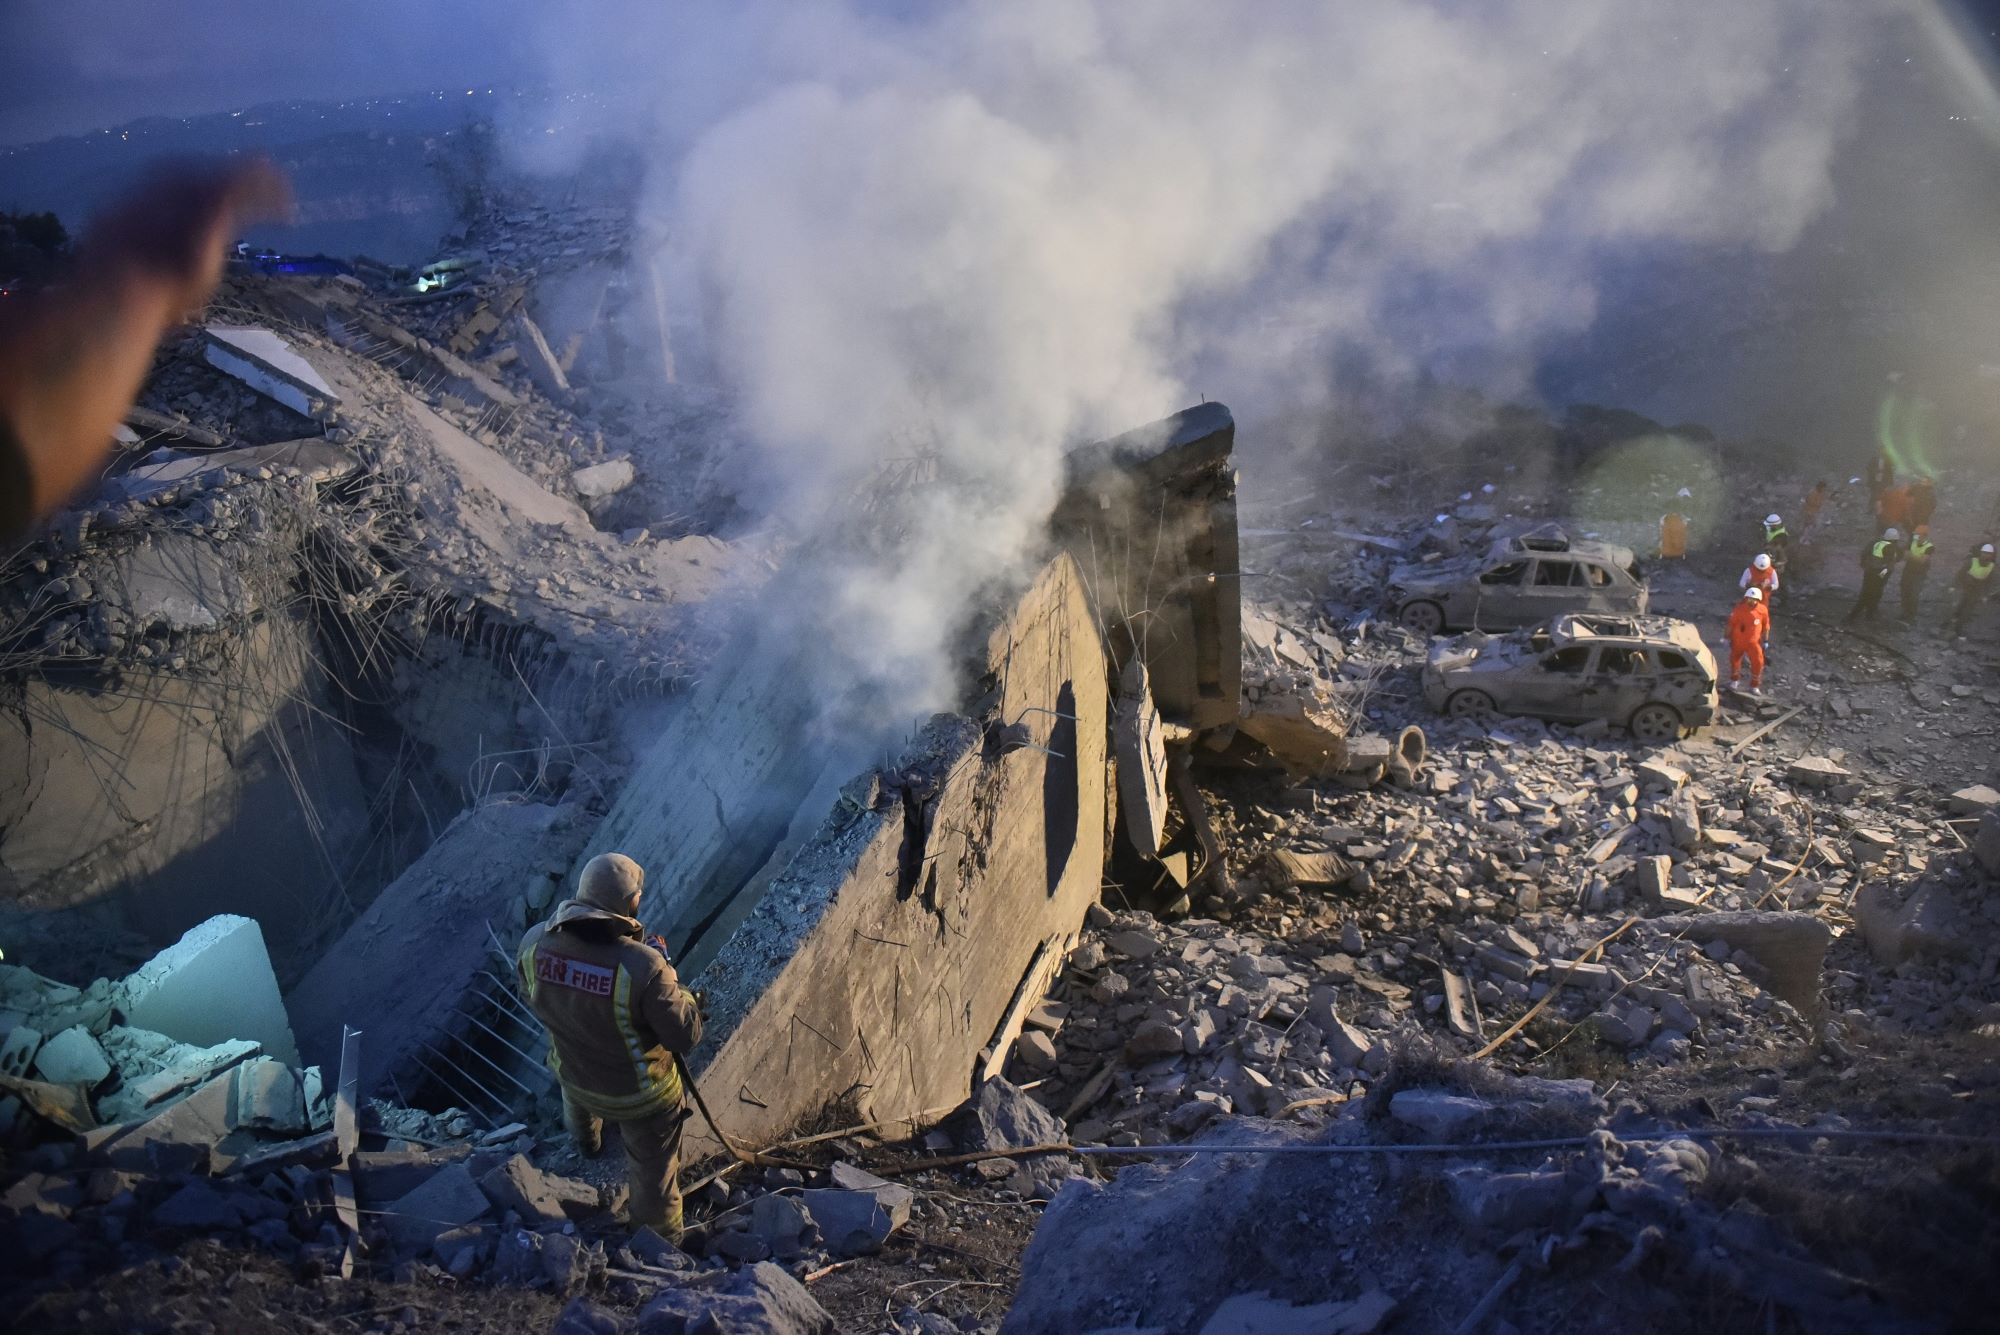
x=715, y=796
x=882, y=963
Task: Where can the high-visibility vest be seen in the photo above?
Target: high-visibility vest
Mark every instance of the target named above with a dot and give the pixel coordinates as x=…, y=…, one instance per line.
x=1880, y=551
x=1980, y=569
x=1921, y=549
x=1773, y=535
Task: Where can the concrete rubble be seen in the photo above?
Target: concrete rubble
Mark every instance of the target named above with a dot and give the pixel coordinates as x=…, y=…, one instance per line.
x=1224, y=882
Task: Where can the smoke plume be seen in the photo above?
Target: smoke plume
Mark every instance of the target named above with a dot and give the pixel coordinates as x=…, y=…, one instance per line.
x=976, y=234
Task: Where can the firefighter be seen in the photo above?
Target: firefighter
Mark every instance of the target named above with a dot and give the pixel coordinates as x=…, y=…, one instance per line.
x=1916, y=569
x=1749, y=626
x=617, y=1018
x=1972, y=583
x=1878, y=560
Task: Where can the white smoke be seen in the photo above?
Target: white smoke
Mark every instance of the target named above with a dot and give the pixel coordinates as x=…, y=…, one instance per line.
x=996, y=229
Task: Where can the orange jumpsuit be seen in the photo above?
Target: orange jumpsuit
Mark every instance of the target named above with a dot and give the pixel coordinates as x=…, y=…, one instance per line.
x=1748, y=625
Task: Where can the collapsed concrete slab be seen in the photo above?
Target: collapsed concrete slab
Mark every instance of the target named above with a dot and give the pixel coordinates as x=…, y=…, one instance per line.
x=885, y=957
x=437, y=933
x=268, y=364
x=215, y=983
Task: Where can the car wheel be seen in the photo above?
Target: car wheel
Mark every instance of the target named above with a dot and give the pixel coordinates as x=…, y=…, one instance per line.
x=1656, y=723
x=1469, y=704
x=1422, y=618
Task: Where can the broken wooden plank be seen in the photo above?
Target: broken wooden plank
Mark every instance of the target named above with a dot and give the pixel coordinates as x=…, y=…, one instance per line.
x=1034, y=985
x=1767, y=729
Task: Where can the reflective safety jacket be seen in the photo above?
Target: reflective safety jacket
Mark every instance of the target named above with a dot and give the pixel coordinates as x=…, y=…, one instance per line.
x=1976, y=573
x=1776, y=536
x=1881, y=558
x=614, y=1008
x=1921, y=549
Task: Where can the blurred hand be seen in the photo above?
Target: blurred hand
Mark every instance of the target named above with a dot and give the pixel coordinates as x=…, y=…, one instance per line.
x=73, y=359
x=175, y=230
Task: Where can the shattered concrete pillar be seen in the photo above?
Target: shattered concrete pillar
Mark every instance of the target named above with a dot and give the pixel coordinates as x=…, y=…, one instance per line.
x=214, y=984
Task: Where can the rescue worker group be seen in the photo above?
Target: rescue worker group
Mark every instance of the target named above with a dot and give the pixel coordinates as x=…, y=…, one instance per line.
x=1898, y=508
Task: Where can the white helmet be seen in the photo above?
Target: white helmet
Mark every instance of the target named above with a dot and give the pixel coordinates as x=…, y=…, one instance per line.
x=1772, y=519
x=1763, y=561
x=1754, y=594
x=1986, y=549
x=1893, y=534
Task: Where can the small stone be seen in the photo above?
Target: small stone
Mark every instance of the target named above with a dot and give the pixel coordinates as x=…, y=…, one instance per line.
x=1437, y=1114
x=1034, y=1051
x=1153, y=1039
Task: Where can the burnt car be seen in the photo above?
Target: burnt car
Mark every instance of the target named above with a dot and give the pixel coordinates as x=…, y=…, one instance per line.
x=1520, y=581
x=1651, y=674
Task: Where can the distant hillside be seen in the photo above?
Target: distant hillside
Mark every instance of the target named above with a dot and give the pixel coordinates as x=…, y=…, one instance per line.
x=359, y=167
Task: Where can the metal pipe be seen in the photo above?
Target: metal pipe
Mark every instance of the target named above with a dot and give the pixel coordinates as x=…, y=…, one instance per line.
x=510, y=1077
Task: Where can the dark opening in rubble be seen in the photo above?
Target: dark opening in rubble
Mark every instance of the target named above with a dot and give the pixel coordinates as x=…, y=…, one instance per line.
x=1059, y=788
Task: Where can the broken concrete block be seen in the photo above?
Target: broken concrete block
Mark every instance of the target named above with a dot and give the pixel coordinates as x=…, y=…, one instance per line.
x=1976, y=800
x=449, y=1200
x=1627, y=1027
x=18, y=1049
x=215, y=983
x=198, y=1206
x=1654, y=876
x=782, y=1222
x=1657, y=773
x=1152, y=1040
x=182, y=1137
x=1816, y=772
x=1304, y=734
x=1986, y=844
x=1789, y=947
x=1348, y=1045
x=1921, y=925
x=1437, y=1114
x=601, y=480
x=1283, y=868
x=851, y=1223
x=895, y=1198
x=72, y=1057
x=537, y=1197
x=1034, y=1051
x=761, y=1297
x=270, y=1097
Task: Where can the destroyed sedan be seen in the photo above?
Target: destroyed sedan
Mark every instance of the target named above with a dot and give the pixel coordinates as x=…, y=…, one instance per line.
x=1520, y=581
x=1651, y=674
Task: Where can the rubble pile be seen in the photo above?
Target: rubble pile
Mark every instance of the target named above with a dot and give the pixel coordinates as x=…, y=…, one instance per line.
x=1358, y=1242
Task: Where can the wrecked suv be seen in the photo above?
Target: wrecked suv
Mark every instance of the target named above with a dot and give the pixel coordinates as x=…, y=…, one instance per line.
x=1520, y=581
x=1651, y=674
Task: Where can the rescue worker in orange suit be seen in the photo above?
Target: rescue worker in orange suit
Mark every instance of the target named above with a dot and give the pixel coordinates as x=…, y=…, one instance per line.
x=1749, y=627
x=1916, y=569
x=1892, y=508
x=1878, y=561
x=1809, y=510
x=617, y=1015
x=1973, y=583
x=1923, y=502
x=1760, y=574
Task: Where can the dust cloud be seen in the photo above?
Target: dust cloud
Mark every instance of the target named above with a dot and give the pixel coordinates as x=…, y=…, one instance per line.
x=966, y=236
